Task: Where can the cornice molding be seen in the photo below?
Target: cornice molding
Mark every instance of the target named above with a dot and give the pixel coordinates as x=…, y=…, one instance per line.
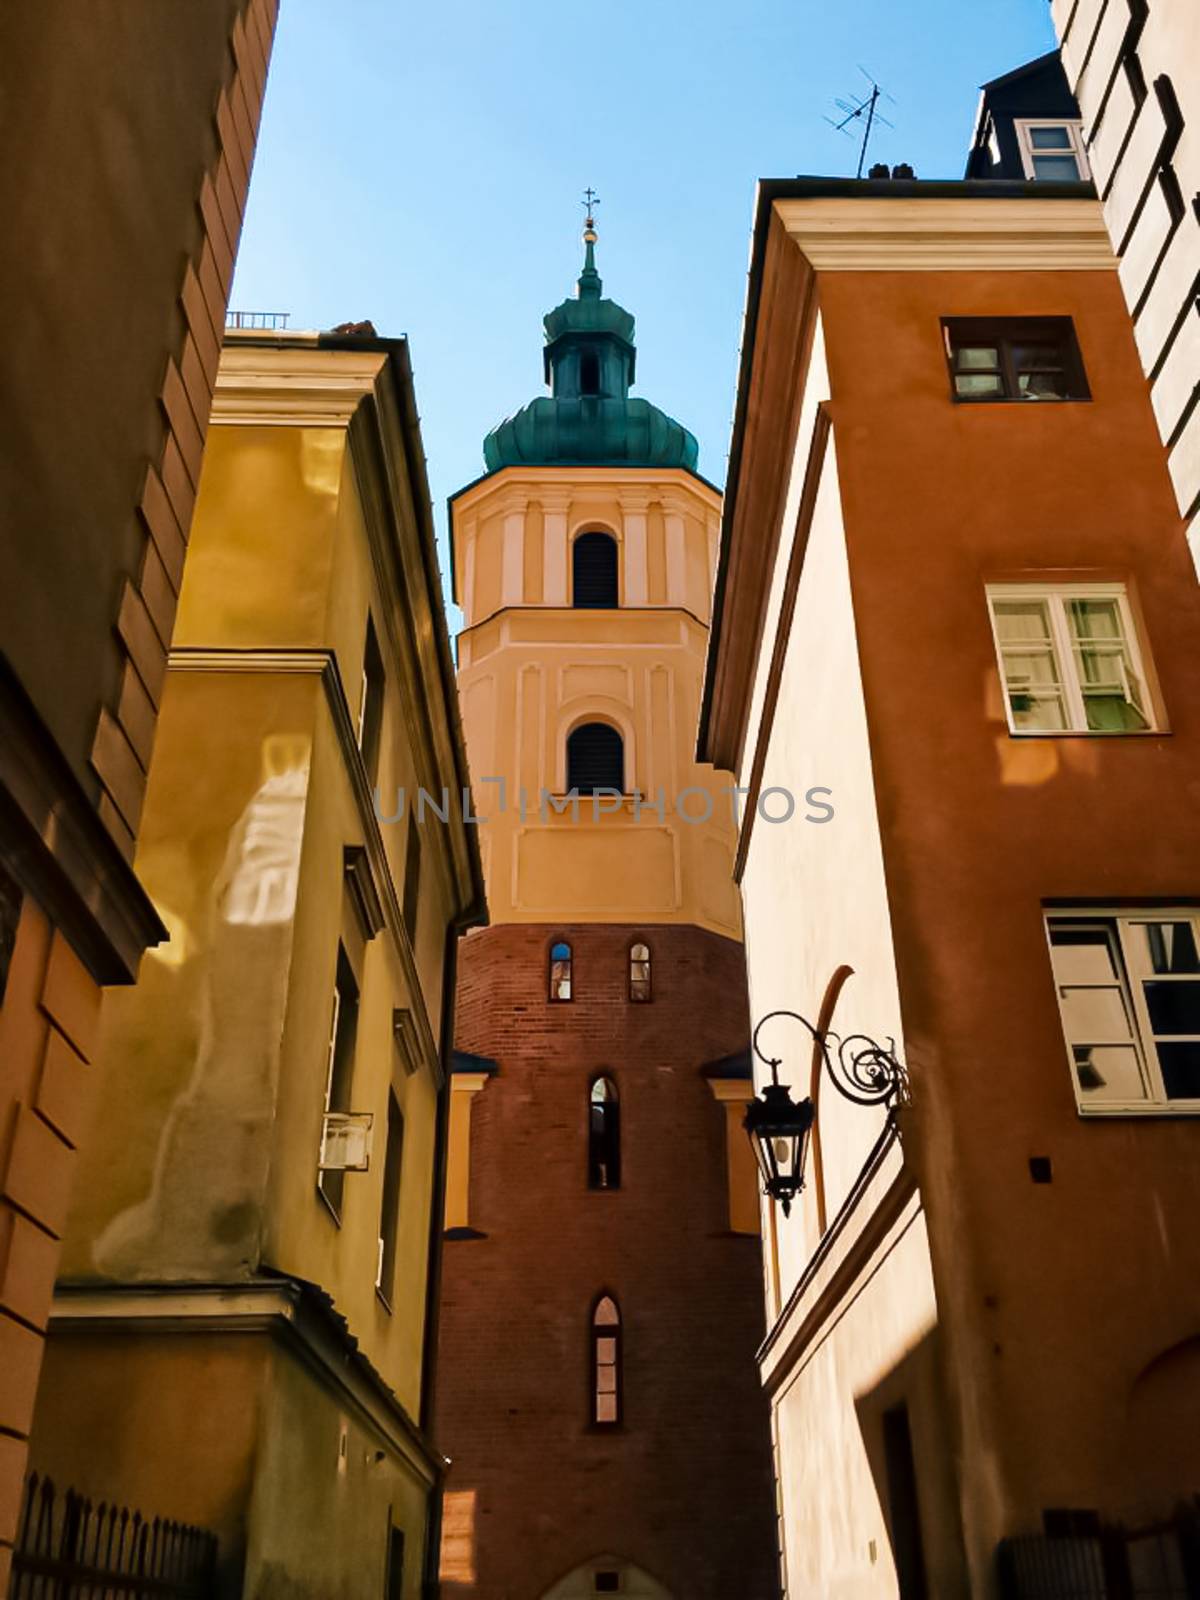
x=949, y=235
x=298, y=386
x=299, y=1315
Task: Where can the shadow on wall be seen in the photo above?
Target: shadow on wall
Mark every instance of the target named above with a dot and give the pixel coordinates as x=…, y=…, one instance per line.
x=1158, y=1452
x=903, y=1422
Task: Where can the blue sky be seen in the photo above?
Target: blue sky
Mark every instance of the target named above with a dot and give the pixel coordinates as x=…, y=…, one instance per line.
x=421, y=165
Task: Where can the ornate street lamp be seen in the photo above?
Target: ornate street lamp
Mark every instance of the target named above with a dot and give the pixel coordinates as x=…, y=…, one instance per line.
x=779, y=1127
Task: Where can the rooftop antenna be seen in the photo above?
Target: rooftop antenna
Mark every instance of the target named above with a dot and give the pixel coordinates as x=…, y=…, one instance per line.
x=863, y=109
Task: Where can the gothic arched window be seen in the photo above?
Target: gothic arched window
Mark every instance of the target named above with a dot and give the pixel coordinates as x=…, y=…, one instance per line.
x=606, y=1363
x=604, y=1136
x=594, y=572
x=639, y=972
x=560, y=971
x=595, y=758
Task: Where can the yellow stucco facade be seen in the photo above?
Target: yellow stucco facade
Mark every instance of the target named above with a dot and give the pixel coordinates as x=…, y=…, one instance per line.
x=305, y=976
x=533, y=667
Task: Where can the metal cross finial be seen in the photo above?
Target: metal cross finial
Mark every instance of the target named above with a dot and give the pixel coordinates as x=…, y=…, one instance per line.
x=590, y=201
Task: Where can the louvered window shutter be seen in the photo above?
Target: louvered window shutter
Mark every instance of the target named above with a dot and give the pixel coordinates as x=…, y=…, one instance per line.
x=595, y=758
x=594, y=567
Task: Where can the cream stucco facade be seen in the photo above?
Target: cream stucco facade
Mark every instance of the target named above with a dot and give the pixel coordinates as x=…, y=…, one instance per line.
x=533, y=667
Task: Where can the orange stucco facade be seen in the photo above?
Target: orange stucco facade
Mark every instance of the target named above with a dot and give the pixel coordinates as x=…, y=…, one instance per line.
x=980, y=830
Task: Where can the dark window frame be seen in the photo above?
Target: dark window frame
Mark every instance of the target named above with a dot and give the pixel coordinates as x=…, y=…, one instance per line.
x=648, y=979
x=389, y=1201
x=339, y=1078
x=606, y=1330
x=604, y=1136
x=374, y=688
x=1004, y=333
x=551, y=962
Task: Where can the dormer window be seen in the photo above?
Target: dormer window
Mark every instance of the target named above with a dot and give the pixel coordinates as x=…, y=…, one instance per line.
x=1052, y=150
x=589, y=372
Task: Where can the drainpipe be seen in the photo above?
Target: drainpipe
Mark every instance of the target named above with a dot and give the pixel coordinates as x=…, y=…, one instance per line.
x=430, y=1584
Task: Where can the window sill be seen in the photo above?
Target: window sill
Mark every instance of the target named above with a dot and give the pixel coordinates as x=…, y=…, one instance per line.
x=1018, y=400
x=1089, y=733
x=1173, y=1110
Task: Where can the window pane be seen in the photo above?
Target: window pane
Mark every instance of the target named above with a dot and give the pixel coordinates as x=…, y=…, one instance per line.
x=1037, y=713
x=1112, y=713
x=1092, y=1016
x=1050, y=138
x=606, y=1314
x=979, y=383
x=977, y=358
x=1173, y=1007
x=1082, y=955
x=1170, y=946
x=1063, y=169
x=1109, y=1072
x=606, y=1380
x=1180, y=1065
x=606, y=1408
x=1021, y=620
x=1095, y=619
x=1048, y=384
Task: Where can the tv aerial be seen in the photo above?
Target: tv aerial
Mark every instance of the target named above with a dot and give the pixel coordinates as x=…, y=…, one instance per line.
x=862, y=109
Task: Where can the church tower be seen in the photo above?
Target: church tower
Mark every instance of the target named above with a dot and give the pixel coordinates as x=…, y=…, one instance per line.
x=602, y=1272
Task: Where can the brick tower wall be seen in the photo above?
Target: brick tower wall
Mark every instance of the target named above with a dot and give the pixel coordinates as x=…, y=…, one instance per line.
x=683, y=1487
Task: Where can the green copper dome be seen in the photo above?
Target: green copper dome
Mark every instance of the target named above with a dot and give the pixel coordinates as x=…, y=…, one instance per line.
x=589, y=419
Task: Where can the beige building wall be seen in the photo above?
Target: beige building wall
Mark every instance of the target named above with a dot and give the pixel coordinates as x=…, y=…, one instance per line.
x=834, y=1363
x=532, y=668
x=1138, y=87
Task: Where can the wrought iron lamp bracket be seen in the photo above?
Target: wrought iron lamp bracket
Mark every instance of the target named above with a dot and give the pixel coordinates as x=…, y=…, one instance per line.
x=861, y=1069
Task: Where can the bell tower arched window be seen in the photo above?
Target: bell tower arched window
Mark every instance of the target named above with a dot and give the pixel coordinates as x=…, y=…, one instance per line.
x=594, y=572
x=604, y=1136
x=560, y=971
x=595, y=758
x=606, y=1363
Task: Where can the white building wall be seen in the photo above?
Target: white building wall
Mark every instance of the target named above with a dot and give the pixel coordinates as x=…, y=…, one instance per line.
x=1146, y=163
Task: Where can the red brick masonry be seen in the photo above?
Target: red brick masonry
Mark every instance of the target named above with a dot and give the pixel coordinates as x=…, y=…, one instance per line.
x=683, y=1487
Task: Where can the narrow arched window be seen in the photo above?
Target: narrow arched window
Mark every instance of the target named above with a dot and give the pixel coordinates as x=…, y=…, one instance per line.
x=589, y=372
x=595, y=758
x=639, y=972
x=606, y=1363
x=604, y=1136
x=594, y=572
x=560, y=971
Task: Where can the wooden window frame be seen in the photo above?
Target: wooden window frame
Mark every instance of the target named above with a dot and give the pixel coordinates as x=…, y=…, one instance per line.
x=1024, y=126
x=1056, y=597
x=1118, y=923
x=1004, y=333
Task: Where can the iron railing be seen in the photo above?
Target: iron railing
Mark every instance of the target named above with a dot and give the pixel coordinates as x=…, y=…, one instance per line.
x=271, y=321
x=1106, y=1562
x=71, y=1549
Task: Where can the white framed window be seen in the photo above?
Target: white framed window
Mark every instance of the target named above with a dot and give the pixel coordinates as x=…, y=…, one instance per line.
x=1069, y=658
x=1128, y=987
x=1052, y=149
